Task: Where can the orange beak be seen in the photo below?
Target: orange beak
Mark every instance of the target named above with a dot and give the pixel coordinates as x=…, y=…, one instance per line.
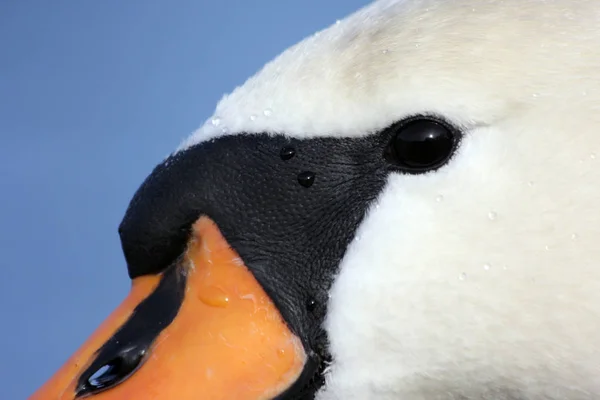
x=217, y=336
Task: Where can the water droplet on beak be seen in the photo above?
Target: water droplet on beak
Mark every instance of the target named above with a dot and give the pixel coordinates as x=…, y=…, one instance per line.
x=306, y=178
x=287, y=153
x=214, y=297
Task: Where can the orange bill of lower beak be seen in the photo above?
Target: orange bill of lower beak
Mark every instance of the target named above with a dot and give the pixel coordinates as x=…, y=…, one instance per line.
x=203, y=329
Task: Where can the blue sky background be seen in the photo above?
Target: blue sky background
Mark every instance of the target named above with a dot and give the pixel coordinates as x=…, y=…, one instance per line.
x=92, y=95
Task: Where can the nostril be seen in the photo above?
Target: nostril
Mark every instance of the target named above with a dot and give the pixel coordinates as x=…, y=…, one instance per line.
x=129, y=347
x=103, y=375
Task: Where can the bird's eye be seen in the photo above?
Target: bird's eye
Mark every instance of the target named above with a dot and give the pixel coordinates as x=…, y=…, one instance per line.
x=420, y=145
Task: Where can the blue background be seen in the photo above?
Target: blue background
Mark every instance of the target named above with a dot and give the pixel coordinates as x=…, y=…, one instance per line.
x=92, y=95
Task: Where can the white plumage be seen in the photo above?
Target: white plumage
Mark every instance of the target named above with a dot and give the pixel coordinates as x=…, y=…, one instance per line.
x=481, y=280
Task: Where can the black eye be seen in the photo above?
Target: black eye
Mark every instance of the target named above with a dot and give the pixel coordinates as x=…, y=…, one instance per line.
x=420, y=145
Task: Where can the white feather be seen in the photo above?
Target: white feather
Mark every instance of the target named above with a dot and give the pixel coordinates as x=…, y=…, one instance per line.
x=482, y=280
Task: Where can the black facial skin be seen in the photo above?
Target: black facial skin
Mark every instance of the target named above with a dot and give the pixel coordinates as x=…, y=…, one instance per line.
x=289, y=233
x=289, y=207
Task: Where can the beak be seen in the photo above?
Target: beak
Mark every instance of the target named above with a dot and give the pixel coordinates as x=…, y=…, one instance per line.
x=202, y=329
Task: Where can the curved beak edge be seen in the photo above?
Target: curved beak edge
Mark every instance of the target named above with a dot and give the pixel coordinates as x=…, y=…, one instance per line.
x=225, y=340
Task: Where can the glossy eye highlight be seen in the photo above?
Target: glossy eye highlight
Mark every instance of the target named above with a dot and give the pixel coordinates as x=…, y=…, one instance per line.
x=420, y=145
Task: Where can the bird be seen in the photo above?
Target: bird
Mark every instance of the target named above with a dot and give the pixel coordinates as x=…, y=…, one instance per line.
x=403, y=205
